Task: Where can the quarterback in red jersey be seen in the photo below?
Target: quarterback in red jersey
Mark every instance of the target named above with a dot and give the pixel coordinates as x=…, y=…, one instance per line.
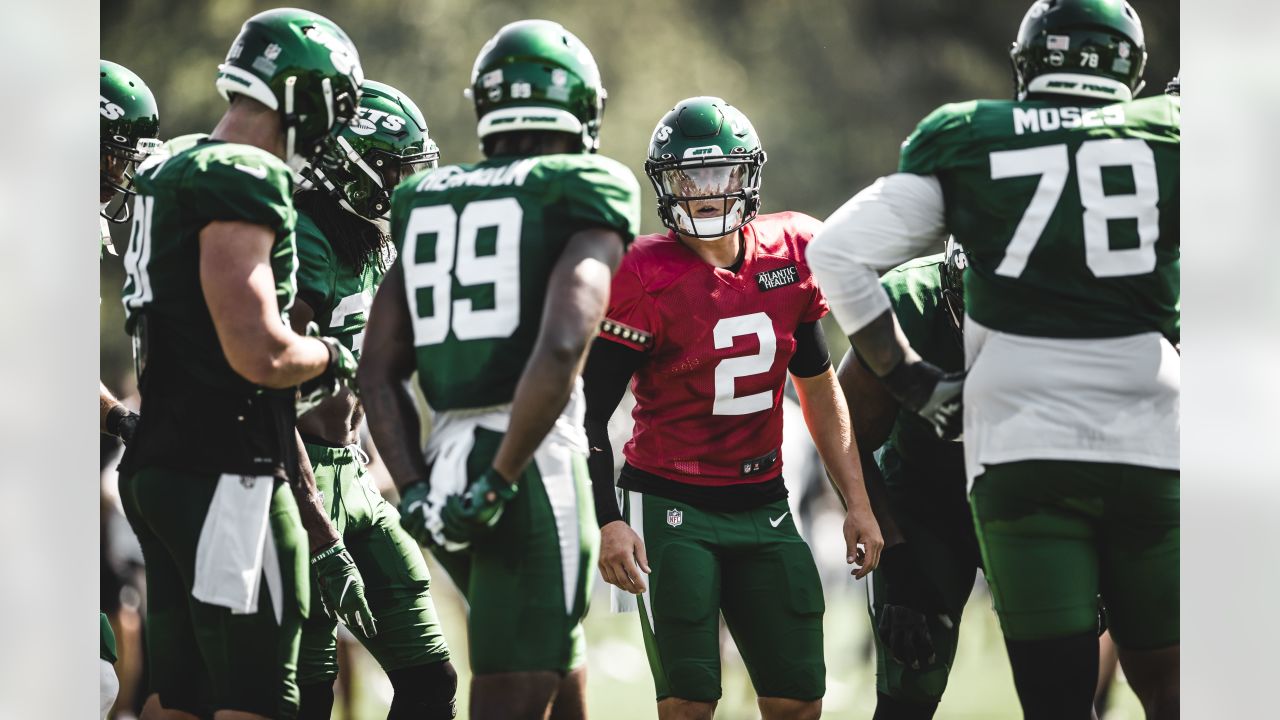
x=704, y=323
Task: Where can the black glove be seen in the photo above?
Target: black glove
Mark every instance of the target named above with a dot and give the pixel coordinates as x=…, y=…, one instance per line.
x=122, y=422
x=342, y=593
x=905, y=632
x=936, y=396
x=910, y=601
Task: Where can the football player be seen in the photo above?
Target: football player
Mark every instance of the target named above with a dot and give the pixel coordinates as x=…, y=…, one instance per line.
x=918, y=593
x=705, y=322
x=343, y=251
x=501, y=281
x=128, y=128
x=206, y=481
x=1066, y=200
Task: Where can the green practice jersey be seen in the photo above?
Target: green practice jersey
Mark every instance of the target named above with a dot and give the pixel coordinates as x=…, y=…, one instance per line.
x=914, y=452
x=1068, y=210
x=199, y=412
x=478, y=243
x=339, y=295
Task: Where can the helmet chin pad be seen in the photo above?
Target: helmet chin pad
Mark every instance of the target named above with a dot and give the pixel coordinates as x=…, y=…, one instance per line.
x=708, y=228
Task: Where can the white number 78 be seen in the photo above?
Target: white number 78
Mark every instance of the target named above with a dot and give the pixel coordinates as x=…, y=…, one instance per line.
x=1053, y=166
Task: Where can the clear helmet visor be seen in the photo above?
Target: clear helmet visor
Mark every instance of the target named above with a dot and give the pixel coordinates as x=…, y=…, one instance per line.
x=698, y=182
x=709, y=202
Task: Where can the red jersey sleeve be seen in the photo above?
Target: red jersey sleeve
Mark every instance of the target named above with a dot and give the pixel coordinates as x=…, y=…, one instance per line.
x=632, y=318
x=805, y=227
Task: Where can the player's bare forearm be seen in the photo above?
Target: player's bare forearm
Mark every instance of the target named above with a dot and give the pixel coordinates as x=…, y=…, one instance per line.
x=827, y=416
x=872, y=411
x=239, y=290
x=386, y=366
x=320, y=530
x=106, y=401
x=576, y=301
x=540, y=397
x=882, y=344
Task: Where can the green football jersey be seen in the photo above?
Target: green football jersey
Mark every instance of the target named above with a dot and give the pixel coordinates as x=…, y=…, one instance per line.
x=478, y=242
x=1068, y=210
x=197, y=410
x=176, y=199
x=339, y=295
x=914, y=452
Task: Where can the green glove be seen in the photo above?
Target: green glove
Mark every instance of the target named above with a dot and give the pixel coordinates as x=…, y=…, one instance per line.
x=477, y=510
x=342, y=589
x=413, y=511
x=340, y=373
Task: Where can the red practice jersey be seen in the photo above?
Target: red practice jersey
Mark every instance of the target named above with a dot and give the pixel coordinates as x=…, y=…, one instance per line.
x=709, y=398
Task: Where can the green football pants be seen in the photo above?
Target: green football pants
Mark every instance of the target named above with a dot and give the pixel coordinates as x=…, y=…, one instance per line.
x=396, y=580
x=528, y=581
x=938, y=525
x=755, y=569
x=1055, y=535
x=203, y=657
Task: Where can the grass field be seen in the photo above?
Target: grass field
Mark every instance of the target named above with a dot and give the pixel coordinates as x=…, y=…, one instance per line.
x=620, y=687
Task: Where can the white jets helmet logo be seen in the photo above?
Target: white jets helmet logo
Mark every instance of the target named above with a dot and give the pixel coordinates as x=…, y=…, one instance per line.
x=109, y=110
x=367, y=121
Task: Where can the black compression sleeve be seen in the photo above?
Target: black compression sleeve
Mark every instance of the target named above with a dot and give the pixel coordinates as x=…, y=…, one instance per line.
x=610, y=366
x=812, y=357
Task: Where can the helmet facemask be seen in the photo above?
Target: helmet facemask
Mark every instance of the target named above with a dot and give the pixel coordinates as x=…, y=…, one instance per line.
x=362, y=184
x=306, y=140
x=954, y=263
x=116, y=168
x=707, y=198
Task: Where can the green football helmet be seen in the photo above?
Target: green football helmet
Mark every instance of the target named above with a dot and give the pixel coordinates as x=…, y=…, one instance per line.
x=385, y=143
x=705, y=163
x=301, y=65
x=1087, y=48
x=535, y=75
x=128, y=128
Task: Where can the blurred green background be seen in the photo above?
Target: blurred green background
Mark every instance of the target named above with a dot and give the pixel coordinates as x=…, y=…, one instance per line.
x=832, y=88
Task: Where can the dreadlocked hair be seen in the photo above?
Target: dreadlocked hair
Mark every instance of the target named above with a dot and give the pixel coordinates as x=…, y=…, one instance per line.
x=358, y=243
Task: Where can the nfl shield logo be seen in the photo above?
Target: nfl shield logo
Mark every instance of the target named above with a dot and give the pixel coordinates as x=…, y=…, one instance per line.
x=674, y=518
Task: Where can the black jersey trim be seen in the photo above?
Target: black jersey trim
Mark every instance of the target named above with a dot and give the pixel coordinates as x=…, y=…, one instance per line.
x=739, y=497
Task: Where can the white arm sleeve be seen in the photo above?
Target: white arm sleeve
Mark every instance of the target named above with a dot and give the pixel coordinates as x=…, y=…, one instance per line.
x=896, y=219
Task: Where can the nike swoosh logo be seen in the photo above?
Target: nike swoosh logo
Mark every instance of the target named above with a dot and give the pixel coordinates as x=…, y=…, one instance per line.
x=342, y=595
x=778, y=522
x=260, y=173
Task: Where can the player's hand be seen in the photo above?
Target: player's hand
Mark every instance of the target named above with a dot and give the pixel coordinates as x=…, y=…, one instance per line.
x=342, y=589
x=863, y=541
x=934, y=395
x=623, y=561
x=122, y=422
x=905, y=632
x=413, y=511
x=339, y=373
x=477, y=510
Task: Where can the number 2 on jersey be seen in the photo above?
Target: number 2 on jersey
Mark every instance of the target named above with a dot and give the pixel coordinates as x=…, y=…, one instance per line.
x=1052, y=165
x=730, y=369
x=456, y=260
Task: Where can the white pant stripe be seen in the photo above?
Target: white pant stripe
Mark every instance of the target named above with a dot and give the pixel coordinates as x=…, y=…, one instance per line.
x=635, y=518
x=555, y=465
